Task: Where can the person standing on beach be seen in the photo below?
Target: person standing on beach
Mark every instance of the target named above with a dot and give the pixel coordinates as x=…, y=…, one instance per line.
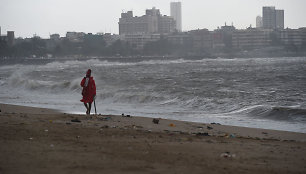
x=89, y=91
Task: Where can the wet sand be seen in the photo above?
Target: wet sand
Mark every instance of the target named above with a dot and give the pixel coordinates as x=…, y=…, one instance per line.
x=36, y=140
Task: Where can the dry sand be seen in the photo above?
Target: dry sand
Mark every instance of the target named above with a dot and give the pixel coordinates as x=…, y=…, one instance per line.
x=35, y=140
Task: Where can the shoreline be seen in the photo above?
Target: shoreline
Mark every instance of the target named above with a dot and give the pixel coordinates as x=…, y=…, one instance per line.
x=220, y=130
x=37, y=140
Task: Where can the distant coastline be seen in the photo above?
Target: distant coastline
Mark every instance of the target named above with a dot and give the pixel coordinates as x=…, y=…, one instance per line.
x=272, y=52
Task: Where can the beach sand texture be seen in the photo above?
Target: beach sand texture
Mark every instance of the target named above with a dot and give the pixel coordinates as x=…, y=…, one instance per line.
x=35, y=140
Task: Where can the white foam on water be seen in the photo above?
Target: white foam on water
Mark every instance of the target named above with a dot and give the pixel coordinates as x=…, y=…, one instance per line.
x=155, y=88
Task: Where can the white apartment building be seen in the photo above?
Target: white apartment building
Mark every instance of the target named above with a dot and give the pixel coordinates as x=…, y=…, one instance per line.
x=176, y=13
x=251, y=38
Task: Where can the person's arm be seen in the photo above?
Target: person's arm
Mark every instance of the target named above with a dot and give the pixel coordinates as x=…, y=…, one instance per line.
x=83, y=82
x=94, y=87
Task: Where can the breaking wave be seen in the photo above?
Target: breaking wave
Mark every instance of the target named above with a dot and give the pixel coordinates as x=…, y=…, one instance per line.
x=273, y=112
x=193, y=89
x=121, y=62
x=20, y=80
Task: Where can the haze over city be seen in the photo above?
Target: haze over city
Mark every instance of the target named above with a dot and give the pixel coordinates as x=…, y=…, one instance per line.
x=29, y=17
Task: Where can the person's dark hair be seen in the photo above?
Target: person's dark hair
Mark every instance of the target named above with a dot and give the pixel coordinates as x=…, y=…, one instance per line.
x=88, y=73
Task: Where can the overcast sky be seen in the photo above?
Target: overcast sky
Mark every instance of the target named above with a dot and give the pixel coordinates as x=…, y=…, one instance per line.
x=44, y=17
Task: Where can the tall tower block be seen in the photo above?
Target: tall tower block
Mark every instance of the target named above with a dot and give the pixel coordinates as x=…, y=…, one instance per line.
x=258, y=22
x=268, y=17
x=272, y=18
x=176, y=13
x=279, y=19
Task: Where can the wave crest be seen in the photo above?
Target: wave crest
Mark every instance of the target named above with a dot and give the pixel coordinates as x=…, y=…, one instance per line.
x=20, y=81
x=274, y=112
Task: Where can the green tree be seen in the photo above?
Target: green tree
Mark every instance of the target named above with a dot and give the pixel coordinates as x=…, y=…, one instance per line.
x=93, y=45
x=159, y=47
x=3, y=48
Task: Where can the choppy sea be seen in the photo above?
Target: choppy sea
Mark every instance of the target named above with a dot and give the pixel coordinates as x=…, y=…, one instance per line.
x=265, y=93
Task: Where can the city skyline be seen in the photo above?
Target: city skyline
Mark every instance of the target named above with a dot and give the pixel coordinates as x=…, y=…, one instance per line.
x=31, y=17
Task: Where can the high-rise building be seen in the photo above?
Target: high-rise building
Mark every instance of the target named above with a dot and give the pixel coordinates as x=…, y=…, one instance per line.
x=272, y=18
x=268, y=17
x=10, y=38
x=150, y=23
x=176, y=13
x=279, y=19
x=258, y=22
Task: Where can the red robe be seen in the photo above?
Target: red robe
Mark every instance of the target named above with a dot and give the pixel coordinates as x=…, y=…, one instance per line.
x=89, y=91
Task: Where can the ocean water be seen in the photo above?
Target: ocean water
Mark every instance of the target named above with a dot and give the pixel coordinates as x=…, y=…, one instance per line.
x=265, y=93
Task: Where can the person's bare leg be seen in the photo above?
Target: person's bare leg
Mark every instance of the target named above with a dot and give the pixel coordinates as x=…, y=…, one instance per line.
x=85, y=104
x=89, y=108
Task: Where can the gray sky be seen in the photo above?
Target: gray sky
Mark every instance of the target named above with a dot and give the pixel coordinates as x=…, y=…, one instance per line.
x=44, y=17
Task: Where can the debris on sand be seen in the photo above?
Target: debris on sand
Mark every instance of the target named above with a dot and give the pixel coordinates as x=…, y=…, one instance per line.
x=125, y=115
x=202, y=134
x=155, y=121
x=227, y=155
x=104, y=118
x=172, y=125
x=209, y=128
x=76, y=120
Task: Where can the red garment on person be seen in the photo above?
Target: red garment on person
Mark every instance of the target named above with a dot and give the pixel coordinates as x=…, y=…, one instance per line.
x=89, y=91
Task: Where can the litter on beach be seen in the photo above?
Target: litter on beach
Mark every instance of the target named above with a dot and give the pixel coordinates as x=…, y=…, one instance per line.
x=76, y=120
x=172, y=125
x=155, y=121
x=227, y=155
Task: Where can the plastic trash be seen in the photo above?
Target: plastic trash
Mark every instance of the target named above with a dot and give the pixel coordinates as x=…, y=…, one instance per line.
x=232, y=136
x=227, y=155
x=125, y=115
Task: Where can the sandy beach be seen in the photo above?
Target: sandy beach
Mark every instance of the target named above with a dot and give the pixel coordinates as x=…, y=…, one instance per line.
x=36, y=140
